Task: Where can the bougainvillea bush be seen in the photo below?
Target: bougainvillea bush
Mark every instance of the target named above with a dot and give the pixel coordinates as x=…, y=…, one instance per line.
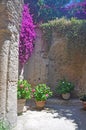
x=77, y=10
x=27, y=35
x=44, y=10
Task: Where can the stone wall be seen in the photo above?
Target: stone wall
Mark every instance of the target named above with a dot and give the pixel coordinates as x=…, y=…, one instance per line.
x=36, y=69
x=60, y=60
x=10, y=16
x=67, y=60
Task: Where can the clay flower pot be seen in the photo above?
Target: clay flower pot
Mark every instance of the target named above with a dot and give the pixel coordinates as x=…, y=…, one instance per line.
x=20, y=105
x=84, y=105
x=40, y=104
x=83, y=99
x=66, y=96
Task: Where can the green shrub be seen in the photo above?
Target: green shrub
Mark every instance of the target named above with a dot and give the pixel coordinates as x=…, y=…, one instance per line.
x=73, y=30
x=4, y=125
x=23, y=89
x=41, y=92
x=64, y=86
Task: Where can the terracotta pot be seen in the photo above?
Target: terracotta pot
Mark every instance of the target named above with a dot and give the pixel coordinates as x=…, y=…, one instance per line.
x=40, y=104
x=20, y=105
x=84, y=105
x=66, y=96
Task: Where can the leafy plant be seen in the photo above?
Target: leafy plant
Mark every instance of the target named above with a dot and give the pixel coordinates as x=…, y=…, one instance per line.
x=73, y=30
x=83, y=97
x=4, y=125
x=77, y=10
x=23, y=90
x=64, y=86
x=45, y=10
x=41, y=92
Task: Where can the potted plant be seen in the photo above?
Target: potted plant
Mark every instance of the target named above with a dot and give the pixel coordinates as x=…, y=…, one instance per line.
x=41, y=93
x=83, y=99
x=23, y=93
x=64, y=88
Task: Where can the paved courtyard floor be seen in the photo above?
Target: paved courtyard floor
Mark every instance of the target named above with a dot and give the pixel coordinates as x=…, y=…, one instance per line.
x=57, y=115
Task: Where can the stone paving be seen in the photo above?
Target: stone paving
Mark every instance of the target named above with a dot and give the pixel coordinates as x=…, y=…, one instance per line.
x=57, y=115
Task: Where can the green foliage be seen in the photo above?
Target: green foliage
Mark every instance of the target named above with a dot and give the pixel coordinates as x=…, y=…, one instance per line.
x=23, y=90
x=4, y=125
x=41, y=92
x=64, y=86
x=76, y=9
x=83, y=97
x=45, y=10
x=73, y=30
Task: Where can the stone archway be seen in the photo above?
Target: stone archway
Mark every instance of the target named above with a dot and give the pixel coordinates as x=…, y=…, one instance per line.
x=10, y=14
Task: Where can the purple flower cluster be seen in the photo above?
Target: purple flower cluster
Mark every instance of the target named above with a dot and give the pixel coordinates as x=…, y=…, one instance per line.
x=27, y=36
x=77, y=10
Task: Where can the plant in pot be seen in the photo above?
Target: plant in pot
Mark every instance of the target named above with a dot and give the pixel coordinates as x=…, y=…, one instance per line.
x=64, y=88
x=83, y=99
x=23, y=93
x=41, y=93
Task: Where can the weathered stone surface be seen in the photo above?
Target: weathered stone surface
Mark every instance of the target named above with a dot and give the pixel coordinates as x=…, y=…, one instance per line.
x=61, y=60
x=36, y=69
x=11, y=107
x=10, y=18
x=4, y=52
x=67, y=61
x=13, y=62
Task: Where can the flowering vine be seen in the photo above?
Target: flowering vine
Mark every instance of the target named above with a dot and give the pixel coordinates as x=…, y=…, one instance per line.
x=77, y=10
x=27, y=35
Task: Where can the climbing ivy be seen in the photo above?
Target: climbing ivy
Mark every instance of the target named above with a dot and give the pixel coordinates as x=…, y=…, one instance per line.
x=73, y=30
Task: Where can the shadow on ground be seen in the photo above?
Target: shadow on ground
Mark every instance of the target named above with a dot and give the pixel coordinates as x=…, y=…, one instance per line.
x=74, y=113
x=69, y=110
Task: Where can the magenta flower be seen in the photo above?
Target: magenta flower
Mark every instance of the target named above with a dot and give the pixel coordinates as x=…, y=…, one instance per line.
x=21, y=86
x=27, y=36
x=47, y=95
x=33, y=90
